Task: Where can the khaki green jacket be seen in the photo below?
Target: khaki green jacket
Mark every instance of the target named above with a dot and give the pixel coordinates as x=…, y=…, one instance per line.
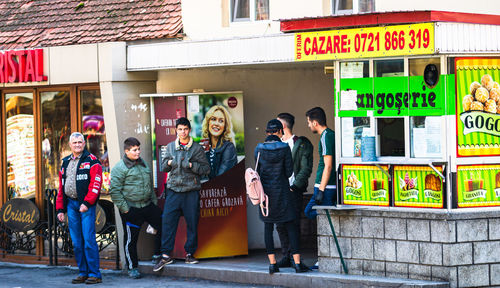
x=131, y=185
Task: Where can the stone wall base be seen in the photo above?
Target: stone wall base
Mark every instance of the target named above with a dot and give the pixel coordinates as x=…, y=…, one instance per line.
x=462, y=248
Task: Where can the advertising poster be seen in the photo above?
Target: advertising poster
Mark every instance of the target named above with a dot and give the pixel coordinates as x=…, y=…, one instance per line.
x=21, y=155
x=217, y=124
x=417, y=186
x=478, y=185
x=478, y=106
x=365, y=185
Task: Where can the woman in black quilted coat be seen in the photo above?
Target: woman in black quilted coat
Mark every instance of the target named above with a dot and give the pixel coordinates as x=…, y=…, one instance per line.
x=274, y=167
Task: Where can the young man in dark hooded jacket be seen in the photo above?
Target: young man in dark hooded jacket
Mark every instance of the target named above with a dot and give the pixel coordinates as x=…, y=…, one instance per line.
x=275, y=167
x=302, y=156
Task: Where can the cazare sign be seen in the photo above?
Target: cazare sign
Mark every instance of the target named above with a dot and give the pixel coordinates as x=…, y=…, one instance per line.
x=396, y=40
x=19, y=214
x=21, y=66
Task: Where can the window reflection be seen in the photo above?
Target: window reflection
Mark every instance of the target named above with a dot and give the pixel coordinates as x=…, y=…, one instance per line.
x=94, y=130
x=20, y=138
x=56, y=128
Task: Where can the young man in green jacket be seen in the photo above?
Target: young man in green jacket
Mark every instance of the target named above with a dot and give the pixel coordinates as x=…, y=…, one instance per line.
x=132, y=192
x=302, y=155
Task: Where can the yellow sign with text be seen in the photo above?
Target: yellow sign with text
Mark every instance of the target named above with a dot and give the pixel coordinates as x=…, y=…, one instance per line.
x=399, y=40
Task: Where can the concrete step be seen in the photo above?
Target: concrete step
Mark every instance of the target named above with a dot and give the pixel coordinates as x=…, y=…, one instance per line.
x=240, y=270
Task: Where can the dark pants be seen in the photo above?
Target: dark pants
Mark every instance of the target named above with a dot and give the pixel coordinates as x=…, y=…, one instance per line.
x=291, y=229
x=281, y=227
x=132, y=222
x=329, y=199
x=177, y=204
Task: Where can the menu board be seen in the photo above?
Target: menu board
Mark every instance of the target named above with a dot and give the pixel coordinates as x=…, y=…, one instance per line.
x=417, y=186
x=21, y=155
x=478, y=185
x=365, y=185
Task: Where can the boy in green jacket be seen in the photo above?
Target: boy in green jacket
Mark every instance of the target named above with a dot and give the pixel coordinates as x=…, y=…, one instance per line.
x=132, y=192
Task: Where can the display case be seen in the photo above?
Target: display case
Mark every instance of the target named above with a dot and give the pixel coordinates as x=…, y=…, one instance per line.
x=402, y=104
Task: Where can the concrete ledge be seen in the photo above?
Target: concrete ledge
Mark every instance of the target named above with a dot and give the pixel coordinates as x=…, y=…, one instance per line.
x=410, y=213
x=252, y=273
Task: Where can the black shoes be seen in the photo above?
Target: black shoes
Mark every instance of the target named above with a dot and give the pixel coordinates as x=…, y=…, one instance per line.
x=163, y=261
x=300, y=268
x=273, y=268
x=191, y=260
x=285, y=262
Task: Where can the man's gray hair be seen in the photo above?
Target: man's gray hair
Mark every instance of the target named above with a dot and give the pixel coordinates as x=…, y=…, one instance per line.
x=76, y=135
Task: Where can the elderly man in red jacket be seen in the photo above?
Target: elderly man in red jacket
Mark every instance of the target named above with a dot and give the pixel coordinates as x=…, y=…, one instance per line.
x=80, y=181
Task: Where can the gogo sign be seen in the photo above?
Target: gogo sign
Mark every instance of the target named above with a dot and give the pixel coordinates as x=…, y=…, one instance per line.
x=20, y=214
x=21, y=66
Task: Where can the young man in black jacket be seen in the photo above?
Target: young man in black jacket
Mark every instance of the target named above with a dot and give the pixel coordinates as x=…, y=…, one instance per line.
x=302, y=155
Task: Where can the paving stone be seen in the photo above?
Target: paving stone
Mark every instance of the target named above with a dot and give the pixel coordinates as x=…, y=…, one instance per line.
x=395, y=228
x=350, y=226
x=440, y=273
x=345, y=247
x=324, y=246
x=374, y=268
x=473, y=276
x=443, y=231
x=384, y=250
x=373, y=227
x=396, y=270
x=362, y=248
x=457, y=254
x=329, y=265
x=495, y=274
x=407, y=252
x=324, y=225
x=355, y=267
x=418, y=230
x=472, y=230
x=421, y=272
x=487, y=252
x=494, y=229
x=431, y=253
x=453, y=277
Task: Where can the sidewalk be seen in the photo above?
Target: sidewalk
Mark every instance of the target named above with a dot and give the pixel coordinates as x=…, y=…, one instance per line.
x=253, y=269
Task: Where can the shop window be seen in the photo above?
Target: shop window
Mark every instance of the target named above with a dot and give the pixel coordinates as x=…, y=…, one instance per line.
x=341, y=7
x=359, y=69
x=20, y=139
x=56, y=129
x=425, y=136
x=391, y=136
x=389, y=68
x=247, y=10
x=417, y=65
x=353, y=129
x=94, y=130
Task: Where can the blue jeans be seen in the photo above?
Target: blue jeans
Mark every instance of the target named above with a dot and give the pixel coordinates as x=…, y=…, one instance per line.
x=177, y=204
x=329, y=199
x=82, y=231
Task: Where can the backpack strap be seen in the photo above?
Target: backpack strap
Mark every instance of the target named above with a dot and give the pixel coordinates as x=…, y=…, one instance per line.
x=257, y=162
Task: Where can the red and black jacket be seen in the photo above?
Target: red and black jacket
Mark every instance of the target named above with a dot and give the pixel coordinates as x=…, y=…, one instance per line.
x=88, y=181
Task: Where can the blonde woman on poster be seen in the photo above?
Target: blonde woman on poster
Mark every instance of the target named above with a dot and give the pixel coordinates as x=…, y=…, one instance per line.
x=218, y=140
